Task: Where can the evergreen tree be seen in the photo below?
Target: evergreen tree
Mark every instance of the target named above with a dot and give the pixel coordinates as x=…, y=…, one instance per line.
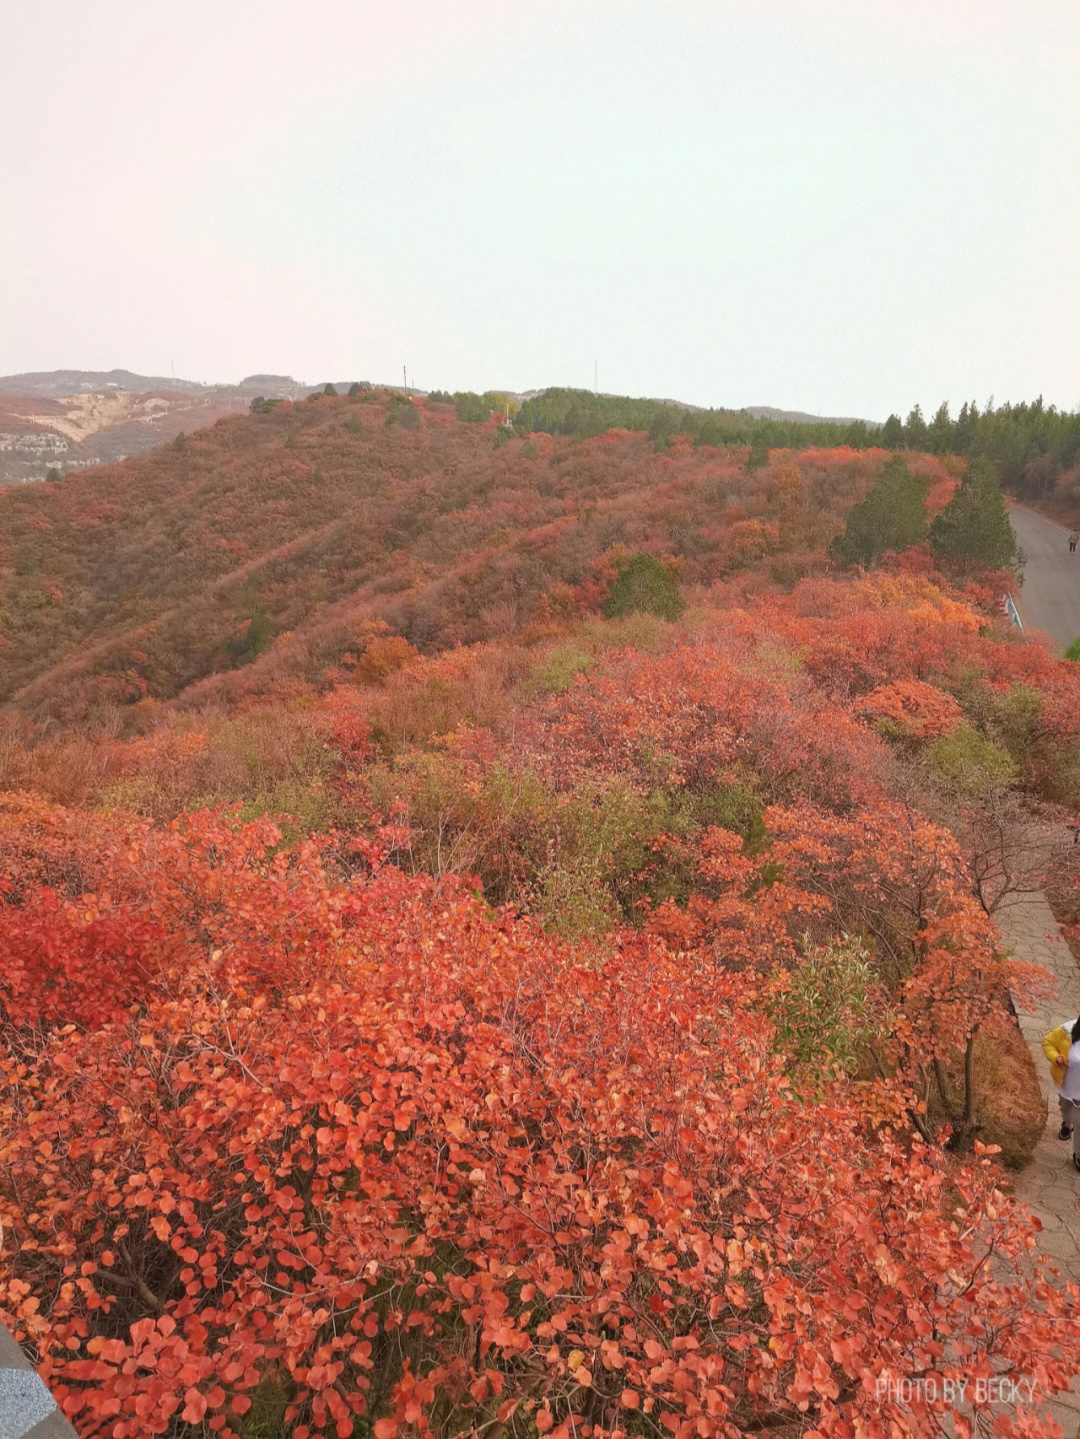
x=941, y=432
x=757, y=459
x=470, y=408
x=250, y=642
x=662, y=429
x=892, y=517
x=645, y=585
x=915, y=430
x=892, y=433
x=975, y=526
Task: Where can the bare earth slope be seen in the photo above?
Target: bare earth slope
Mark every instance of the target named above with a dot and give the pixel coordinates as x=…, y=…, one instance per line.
x=71, y=419
x=1051, y=595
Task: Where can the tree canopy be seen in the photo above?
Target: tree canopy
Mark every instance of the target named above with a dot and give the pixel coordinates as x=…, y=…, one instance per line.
x=975, y=525
x=892, y=517
x=470, y=408
x=646, y=586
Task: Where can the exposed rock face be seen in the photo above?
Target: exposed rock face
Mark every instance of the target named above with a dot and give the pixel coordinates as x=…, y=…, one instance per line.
x=68, y=419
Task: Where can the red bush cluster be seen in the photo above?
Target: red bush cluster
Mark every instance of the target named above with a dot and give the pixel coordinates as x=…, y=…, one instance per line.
x=357, y=1148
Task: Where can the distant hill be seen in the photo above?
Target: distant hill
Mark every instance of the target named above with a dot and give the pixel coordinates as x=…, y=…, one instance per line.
x=58, y=384
x=585, y=412
x=755, y=412
x=273, y=387
x=70, y=419
x=63, y=420
x=41, y=433
x=800, y=417
x=54, y=384
x=270, y=544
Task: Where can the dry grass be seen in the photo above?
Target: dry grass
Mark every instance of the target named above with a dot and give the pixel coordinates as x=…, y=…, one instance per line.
x=1009, y=1105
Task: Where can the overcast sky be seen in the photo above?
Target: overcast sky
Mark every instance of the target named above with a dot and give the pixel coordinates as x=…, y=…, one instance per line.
x=836, y=206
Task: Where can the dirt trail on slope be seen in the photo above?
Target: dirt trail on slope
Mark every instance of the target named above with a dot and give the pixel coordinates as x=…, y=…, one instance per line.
x=83, y=654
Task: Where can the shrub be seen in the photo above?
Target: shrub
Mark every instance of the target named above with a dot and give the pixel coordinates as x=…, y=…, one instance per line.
x=1011, y=718
x=969, y=763
x=401, y=411
x=280, y=1155
x=383, y=657
x=26, y=561
x=1015, y=718
x=757, y=459
x=645, y=586
x=251, y=639
x=556, y=673
x=1065, y=778
x=823, y=1012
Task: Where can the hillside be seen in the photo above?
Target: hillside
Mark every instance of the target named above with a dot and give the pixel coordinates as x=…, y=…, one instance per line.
x=61, y=384
x=499, y=930
x=317, y=518
x=583, y=413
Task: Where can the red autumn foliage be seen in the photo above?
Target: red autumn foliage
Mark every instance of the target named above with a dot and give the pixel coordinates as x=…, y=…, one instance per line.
x=289, y=1125
x=361, y=1142
x=923, y=709
x=328, y=519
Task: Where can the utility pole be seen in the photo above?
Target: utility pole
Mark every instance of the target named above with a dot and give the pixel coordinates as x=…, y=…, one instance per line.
x=405, y=377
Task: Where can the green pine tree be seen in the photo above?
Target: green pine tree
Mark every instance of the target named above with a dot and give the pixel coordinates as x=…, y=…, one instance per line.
x=891, y=517
x=892, y=433
x=975, y=526
x=645, y=585
x=470, y=408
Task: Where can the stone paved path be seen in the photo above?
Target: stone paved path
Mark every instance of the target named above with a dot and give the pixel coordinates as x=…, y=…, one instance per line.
x=1049, y=1185
x=27, y=1409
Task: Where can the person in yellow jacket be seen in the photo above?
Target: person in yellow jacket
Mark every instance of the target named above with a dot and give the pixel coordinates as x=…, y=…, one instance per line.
x=1062, y=1049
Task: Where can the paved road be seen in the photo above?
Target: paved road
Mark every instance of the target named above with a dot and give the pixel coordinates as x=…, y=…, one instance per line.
x=1050, y=600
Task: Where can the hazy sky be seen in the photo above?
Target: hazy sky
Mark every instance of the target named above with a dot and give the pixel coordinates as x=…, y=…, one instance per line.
x=842, y=206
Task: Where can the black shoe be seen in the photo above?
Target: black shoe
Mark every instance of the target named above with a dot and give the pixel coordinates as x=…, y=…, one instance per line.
x=1076, y=1161
x=1065, y=1132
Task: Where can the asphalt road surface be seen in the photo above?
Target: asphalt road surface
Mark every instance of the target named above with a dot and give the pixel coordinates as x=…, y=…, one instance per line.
x=1050, y=599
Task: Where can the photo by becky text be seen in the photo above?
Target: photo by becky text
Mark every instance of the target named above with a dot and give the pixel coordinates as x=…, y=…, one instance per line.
x=985, y=1389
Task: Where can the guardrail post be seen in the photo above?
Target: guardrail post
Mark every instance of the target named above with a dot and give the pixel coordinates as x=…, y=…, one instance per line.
x=1013, y=613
